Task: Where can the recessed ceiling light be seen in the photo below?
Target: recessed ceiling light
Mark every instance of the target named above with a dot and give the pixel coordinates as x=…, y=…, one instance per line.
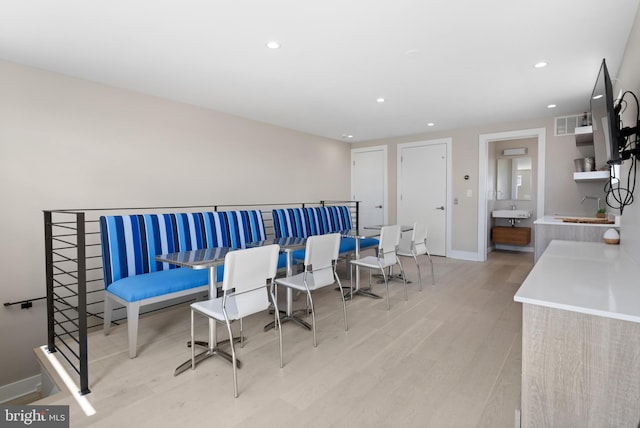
x=431, y=124
x=273, y=45
x=347, y=136
x=540, y=64
x=552, y=106
x=380, y=100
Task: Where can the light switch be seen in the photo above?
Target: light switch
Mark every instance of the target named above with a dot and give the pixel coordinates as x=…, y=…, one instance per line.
x=469, y=193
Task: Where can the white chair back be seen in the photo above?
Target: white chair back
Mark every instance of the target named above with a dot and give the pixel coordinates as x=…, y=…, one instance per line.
x=389, y=240
x=419, y=238
x=249, y=272
x=320, y=257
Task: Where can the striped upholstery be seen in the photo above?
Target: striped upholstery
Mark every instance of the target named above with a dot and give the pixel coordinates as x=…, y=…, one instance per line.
x=305, y=222
x=130, y=242
x=293, y=223
x=334, y=219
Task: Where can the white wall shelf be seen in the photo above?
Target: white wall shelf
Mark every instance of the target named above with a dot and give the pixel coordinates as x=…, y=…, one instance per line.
x=584, y=136
x=591, y=176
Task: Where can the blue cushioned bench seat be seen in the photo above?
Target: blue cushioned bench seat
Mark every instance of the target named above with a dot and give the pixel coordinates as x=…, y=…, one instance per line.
x=305, y=222
x=134, y=278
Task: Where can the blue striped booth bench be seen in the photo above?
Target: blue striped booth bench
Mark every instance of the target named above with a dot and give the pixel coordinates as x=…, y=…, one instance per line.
x=130, y=243
x=305, y=222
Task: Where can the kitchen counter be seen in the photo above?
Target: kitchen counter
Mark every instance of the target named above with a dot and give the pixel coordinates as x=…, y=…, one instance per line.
x=588, y=277
x=557, y=220
x=552, y=227
x=581, y=337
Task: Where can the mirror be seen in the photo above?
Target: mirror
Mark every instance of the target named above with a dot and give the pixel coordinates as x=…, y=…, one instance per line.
x=514, y=179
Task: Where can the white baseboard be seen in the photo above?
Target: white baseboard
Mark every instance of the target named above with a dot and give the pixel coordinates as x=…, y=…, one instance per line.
x=20, y=388
x=514, y=248
x=475, y=257
x=464, y=255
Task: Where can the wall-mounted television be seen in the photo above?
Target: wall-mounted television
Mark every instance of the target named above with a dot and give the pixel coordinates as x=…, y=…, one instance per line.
x=613, y=142
x=605, y=120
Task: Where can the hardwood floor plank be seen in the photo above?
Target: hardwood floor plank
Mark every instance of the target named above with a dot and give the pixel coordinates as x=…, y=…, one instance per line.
x=449, y=356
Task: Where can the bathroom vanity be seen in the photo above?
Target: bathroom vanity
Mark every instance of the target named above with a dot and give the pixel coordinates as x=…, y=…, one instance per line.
x=548, y=228
x=511, y=235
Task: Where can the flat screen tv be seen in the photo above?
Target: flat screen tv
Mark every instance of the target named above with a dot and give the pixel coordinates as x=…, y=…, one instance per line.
x=605, y=121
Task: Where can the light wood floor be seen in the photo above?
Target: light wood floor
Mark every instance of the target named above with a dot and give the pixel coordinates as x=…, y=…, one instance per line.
x=449, y=357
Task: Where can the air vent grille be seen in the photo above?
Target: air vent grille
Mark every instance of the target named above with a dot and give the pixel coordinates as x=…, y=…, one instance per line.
x=566, y=125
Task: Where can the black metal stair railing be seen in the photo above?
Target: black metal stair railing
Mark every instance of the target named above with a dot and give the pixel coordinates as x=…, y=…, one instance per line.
x=66, y=264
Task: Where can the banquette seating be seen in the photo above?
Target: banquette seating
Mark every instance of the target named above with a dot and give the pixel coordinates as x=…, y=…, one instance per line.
x=130, y=243
x=309, y=221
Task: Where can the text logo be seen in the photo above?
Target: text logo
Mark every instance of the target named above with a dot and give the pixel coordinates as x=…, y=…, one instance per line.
x=34, y=416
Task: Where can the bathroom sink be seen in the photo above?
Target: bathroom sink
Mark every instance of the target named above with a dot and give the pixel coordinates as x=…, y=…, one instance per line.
x=511, y=214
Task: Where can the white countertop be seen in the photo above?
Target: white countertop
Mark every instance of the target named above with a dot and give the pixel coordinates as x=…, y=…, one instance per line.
x=588, y=277
x=557, y=220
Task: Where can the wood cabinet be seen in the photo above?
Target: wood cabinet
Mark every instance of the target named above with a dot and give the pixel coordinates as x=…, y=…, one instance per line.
x=511, y=235
x=578, y=370
x=581, y=338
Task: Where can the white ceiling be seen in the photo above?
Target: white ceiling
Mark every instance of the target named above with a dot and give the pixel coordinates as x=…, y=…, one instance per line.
x=456, y=63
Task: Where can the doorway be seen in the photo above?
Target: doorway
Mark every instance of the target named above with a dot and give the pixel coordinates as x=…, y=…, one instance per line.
x=483, y=171
x=369, y=184
x=423, y=189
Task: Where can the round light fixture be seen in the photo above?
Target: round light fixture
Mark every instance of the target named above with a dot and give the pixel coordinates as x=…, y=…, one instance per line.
x=431, y=124
x=552, y=106
x=380, y=100
x=273, y=45
x=540, y=64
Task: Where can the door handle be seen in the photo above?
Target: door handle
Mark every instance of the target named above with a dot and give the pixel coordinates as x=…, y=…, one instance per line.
x=440, y=208
x=378, y=206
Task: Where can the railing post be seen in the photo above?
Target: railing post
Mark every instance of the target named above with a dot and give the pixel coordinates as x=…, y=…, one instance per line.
x=82, y=304
x=357, y=215
x=48, y=256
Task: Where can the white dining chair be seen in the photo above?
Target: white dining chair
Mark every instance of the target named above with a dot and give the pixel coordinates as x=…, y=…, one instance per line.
x=247, y=275
x=321, y=256
x=385, y=259
x=417, y=247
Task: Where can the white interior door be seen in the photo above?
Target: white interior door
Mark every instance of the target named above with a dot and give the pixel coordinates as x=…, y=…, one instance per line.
x=422, y=190
x=369, y=184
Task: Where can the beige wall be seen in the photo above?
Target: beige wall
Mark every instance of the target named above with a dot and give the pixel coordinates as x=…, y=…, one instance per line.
x=562, y=193
x=69, y=143
x=629, y=80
